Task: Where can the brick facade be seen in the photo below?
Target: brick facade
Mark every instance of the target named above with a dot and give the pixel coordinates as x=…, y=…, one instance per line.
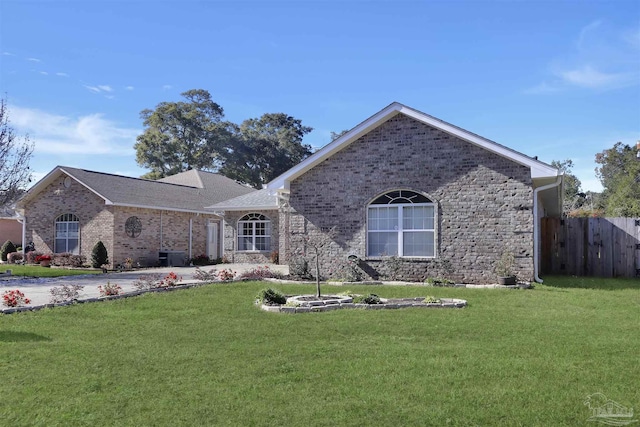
x=168, y=230
x=231, y=237
x=484, y=201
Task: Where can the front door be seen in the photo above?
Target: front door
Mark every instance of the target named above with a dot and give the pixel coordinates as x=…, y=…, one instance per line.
x=213, y=241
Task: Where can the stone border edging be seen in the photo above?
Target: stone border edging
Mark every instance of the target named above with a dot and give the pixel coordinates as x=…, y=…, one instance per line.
x=392, y=303
x=12, y=310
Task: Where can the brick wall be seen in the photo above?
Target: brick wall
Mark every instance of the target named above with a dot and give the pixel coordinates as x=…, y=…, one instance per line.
x=484, y=201
x=107, y=223
x=231, y=238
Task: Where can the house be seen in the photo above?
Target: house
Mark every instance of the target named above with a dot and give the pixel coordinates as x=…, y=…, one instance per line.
x=70, y=210
x=10, y=227
x=409, y=195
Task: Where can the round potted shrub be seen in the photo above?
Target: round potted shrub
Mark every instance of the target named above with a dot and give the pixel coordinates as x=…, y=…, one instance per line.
x=504, y=269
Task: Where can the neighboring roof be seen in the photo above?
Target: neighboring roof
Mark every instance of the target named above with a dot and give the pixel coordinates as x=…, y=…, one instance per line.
x=538, y=168
x=8, y=213
x=198, y=189
x=258, y=200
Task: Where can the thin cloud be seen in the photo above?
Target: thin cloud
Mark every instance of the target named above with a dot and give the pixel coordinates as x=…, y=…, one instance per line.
x=33, y=60
x=8, y=54
x=91, y=134
x=589, y=77
x=44, y=73
x=167, y=87
x=605, y=58
x=98, y=88
x=129, y=88
x=62, y=74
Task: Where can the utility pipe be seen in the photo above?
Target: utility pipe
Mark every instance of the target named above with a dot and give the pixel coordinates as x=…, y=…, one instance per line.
x=536, y=225
x=190, y=237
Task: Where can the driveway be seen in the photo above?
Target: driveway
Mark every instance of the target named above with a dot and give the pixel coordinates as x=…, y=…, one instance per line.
x=37, y=289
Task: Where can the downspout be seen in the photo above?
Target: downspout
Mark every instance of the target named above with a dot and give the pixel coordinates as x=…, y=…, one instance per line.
x=161, y=240
x=190, y=236
x=23, y=220
x=536, y=225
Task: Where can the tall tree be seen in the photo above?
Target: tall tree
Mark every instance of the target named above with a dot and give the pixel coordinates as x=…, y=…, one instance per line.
x=573, y=197
x=619, y=174
x=182, y=135
x=15, y=154
x=264, y=148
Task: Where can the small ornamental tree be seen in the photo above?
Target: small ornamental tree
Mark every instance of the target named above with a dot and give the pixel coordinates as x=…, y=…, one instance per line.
x=99, y=255
x=7, y=248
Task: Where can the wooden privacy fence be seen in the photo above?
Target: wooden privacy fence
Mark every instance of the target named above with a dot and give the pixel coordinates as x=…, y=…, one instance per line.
x=603, y=247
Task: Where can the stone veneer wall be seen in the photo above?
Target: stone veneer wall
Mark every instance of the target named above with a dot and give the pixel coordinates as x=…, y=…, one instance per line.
x=107, y=223
x=484, y=201
x=231, y=237
x=96, y=219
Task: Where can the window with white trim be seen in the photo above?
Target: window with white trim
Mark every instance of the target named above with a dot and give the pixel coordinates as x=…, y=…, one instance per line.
x=67, y=238
x=401, y=223
x=254, y=233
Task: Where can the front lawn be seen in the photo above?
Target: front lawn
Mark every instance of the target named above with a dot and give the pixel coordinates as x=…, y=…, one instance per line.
x=39, y=271
x=208, y=356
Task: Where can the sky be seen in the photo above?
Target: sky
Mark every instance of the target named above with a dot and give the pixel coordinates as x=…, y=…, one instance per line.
x=553, y=79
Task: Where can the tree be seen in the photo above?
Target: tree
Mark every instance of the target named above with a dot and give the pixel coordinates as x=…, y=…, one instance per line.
x=264, y=148
x=619, y=174
x=99, y=255
x=315, y=243
x=182, y=135
x=14, y=159
x=573, y=197
x=336, y=135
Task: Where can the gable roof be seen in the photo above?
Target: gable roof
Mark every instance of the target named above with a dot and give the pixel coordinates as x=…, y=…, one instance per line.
x=539, y=170
x=258, y=200
x=188, y=191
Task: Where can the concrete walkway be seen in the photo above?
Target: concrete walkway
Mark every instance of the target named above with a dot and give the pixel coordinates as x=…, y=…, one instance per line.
x=37, y=289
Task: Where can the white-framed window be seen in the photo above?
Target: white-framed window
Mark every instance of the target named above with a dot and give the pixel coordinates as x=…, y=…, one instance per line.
x=254, y=233
x=67, y=238
x=401, y=223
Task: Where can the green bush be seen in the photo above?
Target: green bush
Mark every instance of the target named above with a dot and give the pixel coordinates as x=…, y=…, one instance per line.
x=367, y=299
x=271, y=297
x=99, y=255
x=6, y=249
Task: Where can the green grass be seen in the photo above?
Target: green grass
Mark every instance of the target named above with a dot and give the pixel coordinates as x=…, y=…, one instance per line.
x=208, y=356
x=38, y=271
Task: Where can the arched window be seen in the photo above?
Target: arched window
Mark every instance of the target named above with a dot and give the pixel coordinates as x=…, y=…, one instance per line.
x=67, y=234
x=254, y=233
x=401, y=223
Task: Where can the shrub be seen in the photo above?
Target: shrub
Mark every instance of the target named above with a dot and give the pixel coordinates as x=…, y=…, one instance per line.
x=367, y=299
x=44, y=257
x=99, y=255
x=14, y=257
x=206, y=276
x=153, y=281
x=14, y=298
x=205, y=260
x=32, y=256
x=109, y=289
x=65, y=293
x=438, y=281
x=226, y=274
x=271, y=297
x=274, y=257
x=299, y=267
x=347, y=271
x=259, y=273
x=68, y=259
x=431, y=300
x=149, y=281
x=6, y=249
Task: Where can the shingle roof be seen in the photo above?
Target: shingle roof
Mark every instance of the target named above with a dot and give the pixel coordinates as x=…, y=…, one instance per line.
x=187, y=191
x=261, y=199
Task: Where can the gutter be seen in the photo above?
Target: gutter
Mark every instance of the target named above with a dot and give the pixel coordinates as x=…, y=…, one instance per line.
x=536, y=225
